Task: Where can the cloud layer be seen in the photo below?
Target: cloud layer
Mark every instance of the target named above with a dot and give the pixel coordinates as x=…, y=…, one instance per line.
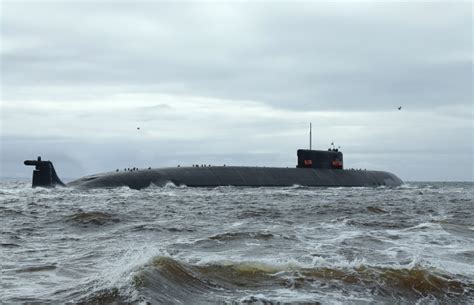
x=238, y=83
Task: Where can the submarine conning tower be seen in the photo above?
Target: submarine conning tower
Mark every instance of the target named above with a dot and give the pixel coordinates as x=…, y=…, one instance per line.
x=321, y=159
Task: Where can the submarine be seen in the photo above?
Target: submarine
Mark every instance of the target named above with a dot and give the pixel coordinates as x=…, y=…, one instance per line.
x=322, y=168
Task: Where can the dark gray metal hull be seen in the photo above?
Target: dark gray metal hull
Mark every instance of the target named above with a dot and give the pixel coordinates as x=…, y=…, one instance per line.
x=238, y=176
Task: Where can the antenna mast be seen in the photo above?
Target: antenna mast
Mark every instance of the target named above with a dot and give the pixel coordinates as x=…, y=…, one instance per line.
x=310, y=136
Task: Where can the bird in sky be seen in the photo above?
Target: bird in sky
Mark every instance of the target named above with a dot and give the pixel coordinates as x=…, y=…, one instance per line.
x=400, y=108
x=138, y=128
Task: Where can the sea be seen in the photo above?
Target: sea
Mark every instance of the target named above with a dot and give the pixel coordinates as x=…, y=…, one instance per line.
x=412, y=244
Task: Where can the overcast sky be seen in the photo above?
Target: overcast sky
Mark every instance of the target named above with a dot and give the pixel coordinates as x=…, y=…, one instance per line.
x=237, y=83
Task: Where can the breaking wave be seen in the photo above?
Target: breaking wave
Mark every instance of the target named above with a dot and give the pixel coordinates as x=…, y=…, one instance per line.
x=167, y=280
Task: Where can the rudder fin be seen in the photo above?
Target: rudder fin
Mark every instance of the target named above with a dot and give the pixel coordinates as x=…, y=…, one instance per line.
x=44, y=174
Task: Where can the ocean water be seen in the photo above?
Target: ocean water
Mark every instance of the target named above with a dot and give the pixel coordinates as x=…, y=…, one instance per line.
x=235, y=245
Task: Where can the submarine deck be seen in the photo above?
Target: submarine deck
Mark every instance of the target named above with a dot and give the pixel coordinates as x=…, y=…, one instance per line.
x=238, y=176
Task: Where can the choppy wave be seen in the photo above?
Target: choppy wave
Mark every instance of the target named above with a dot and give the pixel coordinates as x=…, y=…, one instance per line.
x=172, y=244
x=165, y=280
x=92, y=218
x=241, y=235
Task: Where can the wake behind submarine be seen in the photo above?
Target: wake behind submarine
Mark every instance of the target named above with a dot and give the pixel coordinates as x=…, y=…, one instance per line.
x=314, y=168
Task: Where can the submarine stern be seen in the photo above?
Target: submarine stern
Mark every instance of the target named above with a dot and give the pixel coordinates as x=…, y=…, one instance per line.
x=44, y=174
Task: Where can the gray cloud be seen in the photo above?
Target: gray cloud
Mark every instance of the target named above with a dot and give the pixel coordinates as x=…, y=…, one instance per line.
x=364, y=56
x=238, y=80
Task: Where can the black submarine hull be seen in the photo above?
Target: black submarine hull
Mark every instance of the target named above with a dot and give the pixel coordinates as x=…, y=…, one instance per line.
x=238, y=176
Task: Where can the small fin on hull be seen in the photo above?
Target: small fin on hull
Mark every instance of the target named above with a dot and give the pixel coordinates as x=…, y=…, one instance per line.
x=44, y=174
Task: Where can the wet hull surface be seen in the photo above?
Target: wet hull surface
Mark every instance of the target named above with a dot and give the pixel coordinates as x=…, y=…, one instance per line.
x=238, y=176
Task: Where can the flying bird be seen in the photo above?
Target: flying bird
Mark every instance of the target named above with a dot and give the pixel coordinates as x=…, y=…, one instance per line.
x=138, y=128
x=400, y=108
